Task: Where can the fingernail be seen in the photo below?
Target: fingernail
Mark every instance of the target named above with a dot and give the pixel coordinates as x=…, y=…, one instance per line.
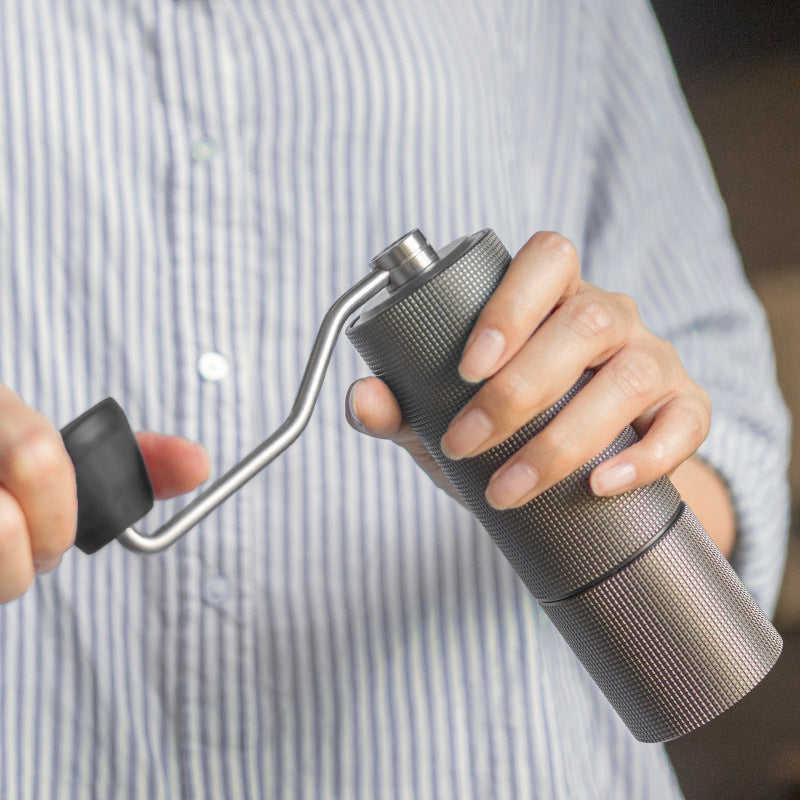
x=43, y=565
x=472, y=430
x=350, y=409
x=612, y=479
x=481, y=355
x=510, y=484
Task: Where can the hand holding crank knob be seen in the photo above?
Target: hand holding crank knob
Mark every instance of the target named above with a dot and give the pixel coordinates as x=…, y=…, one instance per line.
x=39, y=501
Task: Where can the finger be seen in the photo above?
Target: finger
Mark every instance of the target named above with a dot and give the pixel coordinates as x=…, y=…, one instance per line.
x=16, y=560
x=545, y=270
x=36, y=470
x=46, y=565
x=677, y=430
x=635, y=380
x=175, y=465
x=585, y=330
x=371, y=408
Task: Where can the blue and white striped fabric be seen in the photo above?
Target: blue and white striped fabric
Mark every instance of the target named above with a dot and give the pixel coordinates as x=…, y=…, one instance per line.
x=181, y=177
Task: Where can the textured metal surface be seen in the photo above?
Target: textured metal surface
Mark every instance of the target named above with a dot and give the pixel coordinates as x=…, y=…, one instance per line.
x=567, y=540
x=675, y=622
x=567, y=537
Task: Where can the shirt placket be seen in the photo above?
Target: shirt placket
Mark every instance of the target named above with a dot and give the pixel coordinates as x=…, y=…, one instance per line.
x=200, y=119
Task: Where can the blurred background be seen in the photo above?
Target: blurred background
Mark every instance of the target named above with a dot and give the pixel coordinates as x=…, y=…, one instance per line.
x=739, y=66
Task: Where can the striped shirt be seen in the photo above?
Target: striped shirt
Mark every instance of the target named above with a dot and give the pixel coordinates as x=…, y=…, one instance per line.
x=181, y=178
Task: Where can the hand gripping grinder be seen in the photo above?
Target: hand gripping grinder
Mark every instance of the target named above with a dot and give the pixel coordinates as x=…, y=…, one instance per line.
x=633, y=583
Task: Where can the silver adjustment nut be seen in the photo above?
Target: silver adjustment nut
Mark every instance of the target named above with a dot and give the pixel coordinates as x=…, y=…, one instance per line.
x=405, y=258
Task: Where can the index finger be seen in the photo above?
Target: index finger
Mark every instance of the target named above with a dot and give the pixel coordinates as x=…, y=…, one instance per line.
x=37, y=472
x=544, y=273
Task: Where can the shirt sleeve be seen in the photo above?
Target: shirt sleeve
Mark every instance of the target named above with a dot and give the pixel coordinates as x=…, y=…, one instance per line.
x=657, y=230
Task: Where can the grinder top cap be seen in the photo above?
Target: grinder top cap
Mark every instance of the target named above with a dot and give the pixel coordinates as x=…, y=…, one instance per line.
x=406, y=257
x=410, y=262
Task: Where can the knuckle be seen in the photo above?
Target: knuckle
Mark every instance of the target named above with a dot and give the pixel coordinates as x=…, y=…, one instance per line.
x=636, y=374
x=12, y=523
x=513, y=319
x=61, y=537
x=557, y=245
x=667, y=351
x=696, y=421
x=561, y=446
x=587, y=317
x=17, y=571
x=509, y=393
x=627, y=304
x=704, y=399
x=659, y=458
x=37, y=457
x=20, y=584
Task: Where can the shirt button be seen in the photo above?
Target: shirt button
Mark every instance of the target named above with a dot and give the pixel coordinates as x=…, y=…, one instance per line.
x=216, y=591
x=204, y=150
x=213, y=367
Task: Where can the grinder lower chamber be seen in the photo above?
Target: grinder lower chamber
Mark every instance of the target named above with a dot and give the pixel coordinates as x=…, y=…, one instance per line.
x=633, y=583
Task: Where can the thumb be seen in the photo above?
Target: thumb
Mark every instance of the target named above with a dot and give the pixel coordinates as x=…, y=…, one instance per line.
x=175, y=465
x=371, y=408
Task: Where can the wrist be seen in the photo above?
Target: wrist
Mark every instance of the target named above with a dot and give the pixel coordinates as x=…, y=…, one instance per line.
x=706, y=493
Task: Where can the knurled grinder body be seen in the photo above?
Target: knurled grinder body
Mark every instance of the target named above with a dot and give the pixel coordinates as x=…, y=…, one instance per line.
x=633, y=582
